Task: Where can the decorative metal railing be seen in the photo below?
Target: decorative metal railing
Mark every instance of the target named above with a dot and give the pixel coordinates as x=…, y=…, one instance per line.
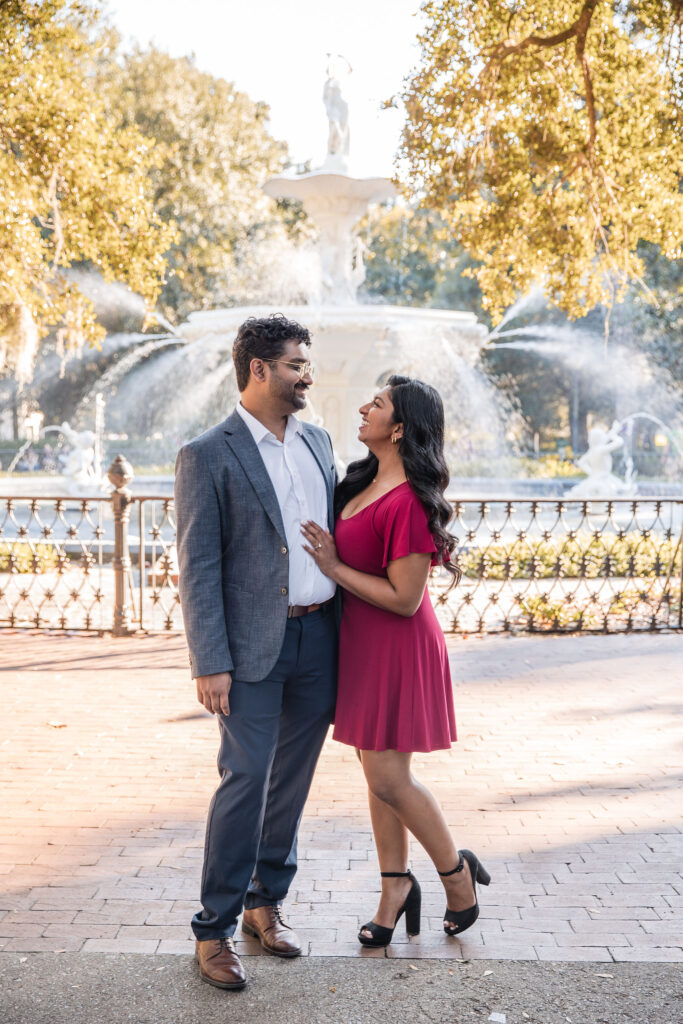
x=108, y=564
x=98, y=564
x=560, y=566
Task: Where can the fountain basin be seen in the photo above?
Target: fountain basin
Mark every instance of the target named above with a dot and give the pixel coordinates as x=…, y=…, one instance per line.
x=354, y=348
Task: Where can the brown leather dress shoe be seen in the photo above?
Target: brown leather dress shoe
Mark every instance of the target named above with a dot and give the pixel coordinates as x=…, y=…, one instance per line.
x=266, y=924
x=219, y=963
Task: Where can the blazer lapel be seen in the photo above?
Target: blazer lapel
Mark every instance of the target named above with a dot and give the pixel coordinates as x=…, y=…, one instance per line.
x=312, y=439
x=239, y=438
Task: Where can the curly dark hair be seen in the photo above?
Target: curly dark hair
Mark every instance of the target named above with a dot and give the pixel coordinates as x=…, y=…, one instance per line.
x=419, y=408
x=264, y=338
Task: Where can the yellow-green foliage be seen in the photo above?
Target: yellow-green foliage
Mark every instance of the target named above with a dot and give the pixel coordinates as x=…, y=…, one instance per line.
x=27, y=558
x=213, y=153
x=549, y=136
x=556, y=614
x=583, y=556
x=548, y=467
x=544, y=613
x=75, y=186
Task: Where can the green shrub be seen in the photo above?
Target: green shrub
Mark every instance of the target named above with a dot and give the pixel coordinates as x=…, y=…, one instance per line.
x=545, y=614
x=582, y=555
x=28, y=558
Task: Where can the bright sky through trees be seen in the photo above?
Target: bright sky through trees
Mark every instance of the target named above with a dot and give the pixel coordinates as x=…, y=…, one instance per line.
x=276, y=53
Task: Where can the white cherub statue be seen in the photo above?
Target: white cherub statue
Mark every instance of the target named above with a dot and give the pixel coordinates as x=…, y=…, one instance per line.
x=600, y=481
x=78, y=465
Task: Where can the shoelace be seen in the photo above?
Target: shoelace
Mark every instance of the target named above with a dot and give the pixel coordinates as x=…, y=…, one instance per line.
x=277, y=911
x=224, y=944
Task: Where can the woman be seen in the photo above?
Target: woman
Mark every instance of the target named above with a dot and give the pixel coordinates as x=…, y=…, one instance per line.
x=395, y=694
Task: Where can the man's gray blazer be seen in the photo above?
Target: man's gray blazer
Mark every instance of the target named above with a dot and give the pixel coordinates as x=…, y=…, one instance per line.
x=232, y=549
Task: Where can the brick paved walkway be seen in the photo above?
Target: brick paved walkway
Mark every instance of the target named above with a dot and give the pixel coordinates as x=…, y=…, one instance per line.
x=564, y=781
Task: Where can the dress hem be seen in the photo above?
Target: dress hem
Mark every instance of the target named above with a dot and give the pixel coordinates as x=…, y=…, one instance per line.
x=398, y=749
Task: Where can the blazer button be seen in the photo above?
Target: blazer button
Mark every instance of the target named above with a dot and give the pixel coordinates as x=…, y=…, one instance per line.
x=284, y=551
x=284, y=590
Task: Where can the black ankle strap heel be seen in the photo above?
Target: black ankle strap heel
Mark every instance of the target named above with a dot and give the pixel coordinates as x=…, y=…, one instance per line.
x=412, y=906
x=457, y=921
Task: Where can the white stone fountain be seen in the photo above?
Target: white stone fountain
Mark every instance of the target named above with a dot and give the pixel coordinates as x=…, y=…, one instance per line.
x=354, y=345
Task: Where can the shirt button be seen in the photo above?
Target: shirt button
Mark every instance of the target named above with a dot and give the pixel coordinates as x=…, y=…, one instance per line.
x=284, y=590
x=284, y=551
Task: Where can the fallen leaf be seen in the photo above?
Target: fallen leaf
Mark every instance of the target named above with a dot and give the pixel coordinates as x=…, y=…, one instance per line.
x=487, y=972
x=604, y=975
x=332, y=988
x=56, y=725
x=411, y=967
x=23, y=959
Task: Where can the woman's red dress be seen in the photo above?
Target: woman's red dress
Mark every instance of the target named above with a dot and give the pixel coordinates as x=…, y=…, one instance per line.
x=395, y=688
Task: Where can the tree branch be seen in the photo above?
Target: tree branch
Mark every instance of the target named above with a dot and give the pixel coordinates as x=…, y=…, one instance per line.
x=579, y=28
x=56, y=215
x=579, y=31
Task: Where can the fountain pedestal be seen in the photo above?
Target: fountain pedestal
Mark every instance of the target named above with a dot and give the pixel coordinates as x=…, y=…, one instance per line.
x=335, y=202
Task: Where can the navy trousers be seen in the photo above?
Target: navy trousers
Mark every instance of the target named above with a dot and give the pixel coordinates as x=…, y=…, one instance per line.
x=270, y=743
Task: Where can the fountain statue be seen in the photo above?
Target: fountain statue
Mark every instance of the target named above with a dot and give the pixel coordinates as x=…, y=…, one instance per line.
x=78, y=465
x=334, y=200
x=600, y=481
x=338, y=118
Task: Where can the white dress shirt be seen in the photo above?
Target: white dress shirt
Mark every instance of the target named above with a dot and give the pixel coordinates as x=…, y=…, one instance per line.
x=301, y=494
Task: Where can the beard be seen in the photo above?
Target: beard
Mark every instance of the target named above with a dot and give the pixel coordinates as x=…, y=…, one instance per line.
x=300, y=395
x=288, y=394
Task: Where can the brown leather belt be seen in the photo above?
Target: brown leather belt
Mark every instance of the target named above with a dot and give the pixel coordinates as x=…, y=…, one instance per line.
x=295, y=610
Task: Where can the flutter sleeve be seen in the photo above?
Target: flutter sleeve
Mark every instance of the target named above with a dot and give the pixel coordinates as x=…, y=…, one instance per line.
x=404, y=529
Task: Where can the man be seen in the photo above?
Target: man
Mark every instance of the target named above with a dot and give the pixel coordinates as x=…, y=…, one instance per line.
x=261, y=629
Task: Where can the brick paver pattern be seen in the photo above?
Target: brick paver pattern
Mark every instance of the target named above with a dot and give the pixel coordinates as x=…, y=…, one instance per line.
x=565, y=781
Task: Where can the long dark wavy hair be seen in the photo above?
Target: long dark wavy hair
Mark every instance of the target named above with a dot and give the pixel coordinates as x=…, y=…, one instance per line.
x=420, y=409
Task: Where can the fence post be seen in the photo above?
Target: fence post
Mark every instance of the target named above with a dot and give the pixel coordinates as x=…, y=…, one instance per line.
x=120, y=474
x=680, y=578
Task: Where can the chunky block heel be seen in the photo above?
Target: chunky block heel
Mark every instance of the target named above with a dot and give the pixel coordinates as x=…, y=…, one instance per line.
x=457, y=921
x=412, y=908
x=483, y=877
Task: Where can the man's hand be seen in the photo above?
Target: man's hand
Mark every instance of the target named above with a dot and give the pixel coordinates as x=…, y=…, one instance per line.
x=213, y=692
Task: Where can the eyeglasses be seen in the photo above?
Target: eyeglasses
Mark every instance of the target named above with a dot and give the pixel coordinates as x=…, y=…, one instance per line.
x=304, y=369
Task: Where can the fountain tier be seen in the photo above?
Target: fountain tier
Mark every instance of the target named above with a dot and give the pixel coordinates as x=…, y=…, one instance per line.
x=354, y=348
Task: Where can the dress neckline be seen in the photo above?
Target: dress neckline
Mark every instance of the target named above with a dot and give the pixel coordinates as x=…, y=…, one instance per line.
x=391, y=490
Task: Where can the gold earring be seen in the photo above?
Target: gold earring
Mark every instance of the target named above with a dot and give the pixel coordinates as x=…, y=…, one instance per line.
x=395, y=440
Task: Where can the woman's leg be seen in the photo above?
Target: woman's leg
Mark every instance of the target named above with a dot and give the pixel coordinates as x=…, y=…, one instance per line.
x=399, y=802
x=391, y=839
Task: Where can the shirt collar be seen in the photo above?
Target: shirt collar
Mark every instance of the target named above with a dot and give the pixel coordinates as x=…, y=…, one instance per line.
x=261, y=433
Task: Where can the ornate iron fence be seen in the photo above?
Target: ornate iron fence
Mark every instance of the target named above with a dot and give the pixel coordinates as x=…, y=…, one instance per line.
x=561, y=566
x=108, y=564
x=104, y=564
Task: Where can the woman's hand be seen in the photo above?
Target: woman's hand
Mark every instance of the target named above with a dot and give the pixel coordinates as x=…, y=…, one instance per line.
x=321, y=547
